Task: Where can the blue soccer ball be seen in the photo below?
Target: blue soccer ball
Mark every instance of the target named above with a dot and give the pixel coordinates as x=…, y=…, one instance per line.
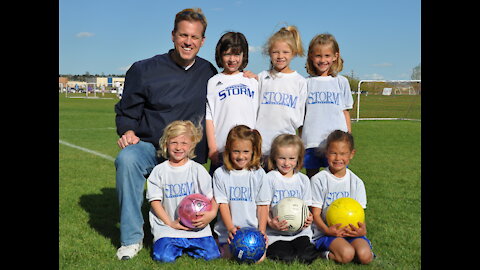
x=248, y=245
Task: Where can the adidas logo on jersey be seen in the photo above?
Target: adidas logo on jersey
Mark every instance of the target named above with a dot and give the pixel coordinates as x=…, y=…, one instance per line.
x=219, y=83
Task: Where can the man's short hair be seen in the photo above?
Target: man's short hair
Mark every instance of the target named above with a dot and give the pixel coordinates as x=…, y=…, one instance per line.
x=191, y=15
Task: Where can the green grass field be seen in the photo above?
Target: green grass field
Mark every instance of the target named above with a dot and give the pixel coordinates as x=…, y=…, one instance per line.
x=387, y=160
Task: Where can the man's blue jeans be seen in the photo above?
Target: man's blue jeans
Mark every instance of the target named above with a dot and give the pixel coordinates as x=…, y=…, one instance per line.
x=133, y=164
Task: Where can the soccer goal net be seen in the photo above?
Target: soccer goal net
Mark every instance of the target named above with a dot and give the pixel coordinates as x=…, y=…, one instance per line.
x=387, y=100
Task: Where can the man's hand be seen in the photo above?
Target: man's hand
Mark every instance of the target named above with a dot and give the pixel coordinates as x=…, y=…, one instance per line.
x=128, y=138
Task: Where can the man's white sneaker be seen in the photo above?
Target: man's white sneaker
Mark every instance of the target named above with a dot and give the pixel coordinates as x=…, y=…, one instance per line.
x=128, y=252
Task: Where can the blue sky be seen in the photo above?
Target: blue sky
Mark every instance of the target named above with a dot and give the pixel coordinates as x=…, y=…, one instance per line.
x=379, y=39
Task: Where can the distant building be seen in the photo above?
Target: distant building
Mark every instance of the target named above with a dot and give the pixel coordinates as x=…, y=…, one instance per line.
x=63, y=80
x=109, y=82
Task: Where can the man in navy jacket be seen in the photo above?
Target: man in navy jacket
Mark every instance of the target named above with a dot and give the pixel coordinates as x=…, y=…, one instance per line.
x=158, y=90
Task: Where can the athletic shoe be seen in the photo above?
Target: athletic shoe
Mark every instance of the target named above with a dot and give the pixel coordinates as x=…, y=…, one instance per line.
x=324, y=254
x=128, y=252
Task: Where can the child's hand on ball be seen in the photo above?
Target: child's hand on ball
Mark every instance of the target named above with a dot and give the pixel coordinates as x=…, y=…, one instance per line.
x=231, y=233
x=177, y=225
x=278, y=225
x=265, y=237
x=308, y=221
x=201, y=221
x=352, y=231
x=335, y=230
x=204, y=218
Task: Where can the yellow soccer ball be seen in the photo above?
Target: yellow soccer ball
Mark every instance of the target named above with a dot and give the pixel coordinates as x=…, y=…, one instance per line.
x=345, y=211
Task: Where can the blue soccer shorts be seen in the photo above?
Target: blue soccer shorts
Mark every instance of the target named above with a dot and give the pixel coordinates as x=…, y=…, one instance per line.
x=323, y=243
x=168, y=249
x=314, y=160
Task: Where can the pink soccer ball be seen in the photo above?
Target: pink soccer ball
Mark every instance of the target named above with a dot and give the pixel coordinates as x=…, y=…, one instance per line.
x=190, y=206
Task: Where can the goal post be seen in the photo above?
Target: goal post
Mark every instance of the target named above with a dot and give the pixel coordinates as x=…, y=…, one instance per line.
x=388, y=100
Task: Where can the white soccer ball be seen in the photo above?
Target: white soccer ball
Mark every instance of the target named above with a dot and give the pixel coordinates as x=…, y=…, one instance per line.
x=294, y=211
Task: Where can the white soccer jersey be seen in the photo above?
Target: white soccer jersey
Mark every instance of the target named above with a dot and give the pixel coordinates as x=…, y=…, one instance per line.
x=170, y=185
x=327, y=98
x=281, y=106
x=280, y=187
x=231, y=100
x=242, y=190
x=326, y=188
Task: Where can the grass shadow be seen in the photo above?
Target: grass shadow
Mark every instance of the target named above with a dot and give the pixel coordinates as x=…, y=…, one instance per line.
x=104, y=215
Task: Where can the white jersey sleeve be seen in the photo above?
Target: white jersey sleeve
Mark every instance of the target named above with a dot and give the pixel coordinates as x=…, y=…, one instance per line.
x=346, y=92
x=204, y=181
x=219, y=185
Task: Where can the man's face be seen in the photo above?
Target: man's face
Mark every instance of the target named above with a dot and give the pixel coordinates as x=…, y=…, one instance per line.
x=187, y=41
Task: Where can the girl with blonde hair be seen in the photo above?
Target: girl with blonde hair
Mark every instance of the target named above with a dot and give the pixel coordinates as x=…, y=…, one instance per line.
x=283, y=91
x=285, y=180
x=170, y=182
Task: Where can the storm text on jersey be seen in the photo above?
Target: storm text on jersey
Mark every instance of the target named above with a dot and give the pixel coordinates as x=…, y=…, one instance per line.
x=332, y=196
x=278, y=98
x=240, y=194
x=323, y=97
x=237, y=89
x=177, y=190
x=283, y=193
